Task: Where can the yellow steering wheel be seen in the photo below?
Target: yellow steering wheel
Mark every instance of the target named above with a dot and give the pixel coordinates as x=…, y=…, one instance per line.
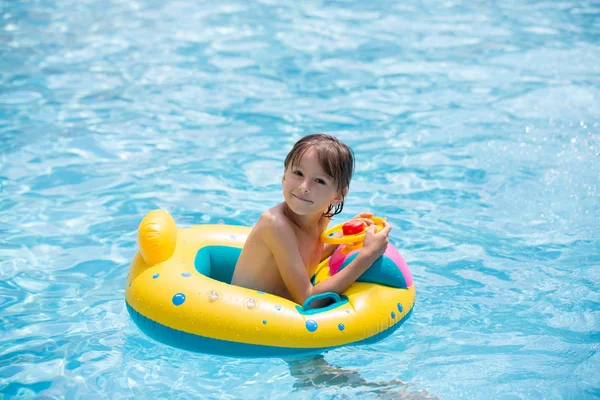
x=354, y=231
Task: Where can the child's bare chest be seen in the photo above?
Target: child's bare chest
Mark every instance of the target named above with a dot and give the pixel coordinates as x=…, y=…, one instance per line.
x=310, y=248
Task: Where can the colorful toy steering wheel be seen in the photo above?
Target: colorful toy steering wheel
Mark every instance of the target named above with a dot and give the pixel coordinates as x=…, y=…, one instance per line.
x=354, y=231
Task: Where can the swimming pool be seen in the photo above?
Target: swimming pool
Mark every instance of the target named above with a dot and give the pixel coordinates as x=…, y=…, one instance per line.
x=476, y=131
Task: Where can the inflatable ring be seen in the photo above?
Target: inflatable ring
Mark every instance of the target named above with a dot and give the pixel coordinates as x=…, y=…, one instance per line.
x=178, y=293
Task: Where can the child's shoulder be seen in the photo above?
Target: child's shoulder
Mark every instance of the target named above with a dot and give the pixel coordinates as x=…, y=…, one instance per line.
x=275, y=229
x=274, y=219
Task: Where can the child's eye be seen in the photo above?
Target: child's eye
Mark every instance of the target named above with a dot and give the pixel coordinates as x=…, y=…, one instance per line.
x=296, y=172
x=321, y=181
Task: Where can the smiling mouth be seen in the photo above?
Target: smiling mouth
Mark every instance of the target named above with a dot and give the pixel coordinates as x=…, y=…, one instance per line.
x=302, y=199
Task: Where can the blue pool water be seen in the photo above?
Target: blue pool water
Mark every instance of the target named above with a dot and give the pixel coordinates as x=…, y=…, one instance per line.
x=476, y=126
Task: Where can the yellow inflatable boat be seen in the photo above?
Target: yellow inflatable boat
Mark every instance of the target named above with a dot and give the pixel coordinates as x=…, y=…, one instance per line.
x=178, y=293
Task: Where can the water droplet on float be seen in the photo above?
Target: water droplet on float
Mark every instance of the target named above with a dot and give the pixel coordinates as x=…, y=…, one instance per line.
x=250, y=303
x=213, y=296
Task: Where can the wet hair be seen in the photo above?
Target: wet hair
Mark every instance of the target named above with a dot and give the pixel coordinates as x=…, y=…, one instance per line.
x=335, y=157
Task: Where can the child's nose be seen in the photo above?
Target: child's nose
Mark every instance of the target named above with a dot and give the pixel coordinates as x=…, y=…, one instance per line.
x=304, y=186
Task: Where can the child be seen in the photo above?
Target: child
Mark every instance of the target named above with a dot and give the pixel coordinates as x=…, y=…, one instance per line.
x=284, y=247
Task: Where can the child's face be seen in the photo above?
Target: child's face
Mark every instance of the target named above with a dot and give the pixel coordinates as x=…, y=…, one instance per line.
x=307, y=189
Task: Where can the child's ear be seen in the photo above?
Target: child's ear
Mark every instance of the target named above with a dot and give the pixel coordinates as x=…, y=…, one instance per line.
x=340, y=197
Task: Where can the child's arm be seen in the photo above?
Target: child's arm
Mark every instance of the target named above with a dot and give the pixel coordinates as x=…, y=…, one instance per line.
x=281, y=240
x=329, y=248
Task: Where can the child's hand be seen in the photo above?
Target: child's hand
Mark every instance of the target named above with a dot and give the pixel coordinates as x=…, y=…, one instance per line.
x=376, y=243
